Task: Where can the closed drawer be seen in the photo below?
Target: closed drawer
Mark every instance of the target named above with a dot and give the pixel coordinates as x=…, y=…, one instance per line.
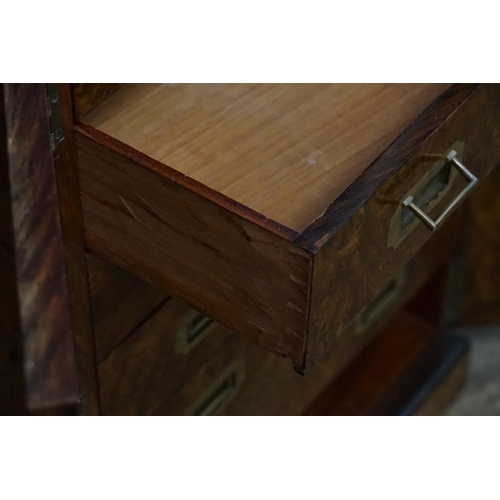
x=156, y=360
x=179, y=362
x=120, y=302
x=280, y=226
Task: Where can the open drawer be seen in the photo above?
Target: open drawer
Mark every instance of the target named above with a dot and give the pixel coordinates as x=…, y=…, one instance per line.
x=280, y=211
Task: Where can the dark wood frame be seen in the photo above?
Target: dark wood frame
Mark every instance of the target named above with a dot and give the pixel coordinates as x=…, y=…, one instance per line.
x=38, y=366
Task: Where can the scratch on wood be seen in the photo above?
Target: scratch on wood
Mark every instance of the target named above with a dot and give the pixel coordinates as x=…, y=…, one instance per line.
x=294, y=307
x=297, y=280
x=127, y=206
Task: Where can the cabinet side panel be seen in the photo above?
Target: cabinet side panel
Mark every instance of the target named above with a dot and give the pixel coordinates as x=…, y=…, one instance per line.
x=36, y=247
x=12, y=390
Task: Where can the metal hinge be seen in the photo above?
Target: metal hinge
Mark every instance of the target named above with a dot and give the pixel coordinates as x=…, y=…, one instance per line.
x=55, y=114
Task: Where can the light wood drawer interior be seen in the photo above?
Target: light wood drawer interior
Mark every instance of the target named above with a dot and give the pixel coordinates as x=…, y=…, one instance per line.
x=277, y=149
x=269, y=207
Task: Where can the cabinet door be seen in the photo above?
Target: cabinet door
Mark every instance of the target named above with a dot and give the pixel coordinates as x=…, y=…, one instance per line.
x=37, y=368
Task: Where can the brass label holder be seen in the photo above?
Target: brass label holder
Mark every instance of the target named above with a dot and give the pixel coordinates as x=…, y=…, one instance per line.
x=195, y=326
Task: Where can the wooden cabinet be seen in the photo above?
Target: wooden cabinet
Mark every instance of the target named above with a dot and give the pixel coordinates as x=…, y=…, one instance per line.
x=178, y=361
x=37, y=367
x=298, y=218
x=283, y=204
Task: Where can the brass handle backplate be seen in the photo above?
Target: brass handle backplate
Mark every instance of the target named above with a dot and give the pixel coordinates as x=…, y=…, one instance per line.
x=192, y=329
x=428, y=221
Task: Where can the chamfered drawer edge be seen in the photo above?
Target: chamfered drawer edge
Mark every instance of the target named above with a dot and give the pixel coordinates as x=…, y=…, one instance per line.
x=363, y=256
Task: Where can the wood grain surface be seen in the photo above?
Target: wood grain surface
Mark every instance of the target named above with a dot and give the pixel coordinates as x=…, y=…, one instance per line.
x=385, y=166
x=480, y=301
x=284, y=150
x=150, y=372
x=36, y=310
x=386, y=374
x=352, y=266
x=146, y=369
x=285, y=293
x=87, y=96
x=147, y=375
x=120, y=302
x=230, y=268
x=12, y=383
x=74, y=252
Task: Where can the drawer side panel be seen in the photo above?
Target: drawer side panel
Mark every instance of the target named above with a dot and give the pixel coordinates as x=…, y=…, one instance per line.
x=229, y=268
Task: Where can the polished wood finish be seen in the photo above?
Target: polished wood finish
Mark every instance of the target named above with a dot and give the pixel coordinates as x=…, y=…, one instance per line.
x=147, y=374
x=291, y=297
x=35, y=321
x=385, y=166
x=287, y=244
x=285, y=151
x=192, y=248
x=480, y=273
x=358, y=258
x=410, y=367
x=68, y=188
x=151, y=372
x=147, y=367
x=120, y=301
x=387, y=373
x=12, y=384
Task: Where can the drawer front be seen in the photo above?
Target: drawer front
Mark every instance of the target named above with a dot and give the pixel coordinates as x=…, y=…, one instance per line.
x=180, y=363
x=374, y=245
x=154, y=362
x=120, y=302
x=152, y=373
x=285, y=393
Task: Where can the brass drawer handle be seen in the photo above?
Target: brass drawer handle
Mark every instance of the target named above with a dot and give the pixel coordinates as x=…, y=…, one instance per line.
x=462, y=169
x=194, y=328
x=198, y=326
x=220, y=392
x=381, y=303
